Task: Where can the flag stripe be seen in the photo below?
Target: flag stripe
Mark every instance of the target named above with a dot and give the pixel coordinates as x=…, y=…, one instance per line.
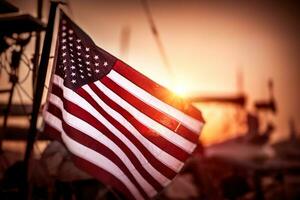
x=155, y=114
x=160, y=94
x=103, y=175
x=169, y=135
x=74, y=123
x=112, y=154
x=165, y=158
x=148, y=133
x=150, y=162
x=91, y=120
x=91, y=156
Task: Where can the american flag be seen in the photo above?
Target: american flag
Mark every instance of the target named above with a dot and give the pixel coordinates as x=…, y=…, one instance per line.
x=121, y=127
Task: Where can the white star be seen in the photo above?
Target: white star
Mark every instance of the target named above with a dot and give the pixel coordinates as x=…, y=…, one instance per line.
x=78, y=53
x=89, y=74
x=70, y=44
x=89, y=69
x=72, y=67
x=79, y=59
x=97, y=70
x=78, y=47
x=71, y=50
x=87, y=55
x=64, y=61
x=73, y=74
x=96, y=57
x=81, y=76
x=72, y=60
x=72, y=55
x=64, y=28
x=65, y=75
x=81, y=71
x=64, y=40
x=87, y=62
x=63, y=47
x=73, y=81
x=96, y=64
x=80, y=65
x=65, y=68
x=70, y=38
x=64, y=54
x=71, y=31
x=64, y=34
x=105, y=63
x=78, y=40
x=87, y=49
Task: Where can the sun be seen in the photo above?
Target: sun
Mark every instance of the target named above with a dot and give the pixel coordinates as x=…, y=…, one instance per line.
x=180, y=90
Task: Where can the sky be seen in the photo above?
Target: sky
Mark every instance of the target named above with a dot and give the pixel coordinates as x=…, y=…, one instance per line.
x=207, y=43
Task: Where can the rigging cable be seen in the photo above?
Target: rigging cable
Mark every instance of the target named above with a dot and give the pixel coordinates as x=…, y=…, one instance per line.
x=157, y=38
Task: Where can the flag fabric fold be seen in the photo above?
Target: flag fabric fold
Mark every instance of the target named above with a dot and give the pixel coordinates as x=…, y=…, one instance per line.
x=120, y=126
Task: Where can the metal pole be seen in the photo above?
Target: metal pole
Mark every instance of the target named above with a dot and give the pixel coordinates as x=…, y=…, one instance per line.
x=41, y=76
x=37, y=46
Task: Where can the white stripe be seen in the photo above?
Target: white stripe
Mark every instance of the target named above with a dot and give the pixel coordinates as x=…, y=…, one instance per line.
x=91, y=155
x=161, y=155
x=191, y=123
x=169, y=135
x=148, y=145
x=98, y=136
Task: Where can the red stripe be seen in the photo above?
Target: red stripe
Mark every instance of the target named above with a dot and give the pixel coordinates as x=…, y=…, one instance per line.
x=156, y=90
x=148, y=133
x=151, y=112
x=166, y=171
x=102, y=175
x=52, y=132
x=90, y=143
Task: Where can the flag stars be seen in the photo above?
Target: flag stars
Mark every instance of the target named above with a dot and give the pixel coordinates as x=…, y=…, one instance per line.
x=71, y=31
x=97, y=71
x=78, y=40
x=89, y=74
x=73, y=74
x=78, y=47
x=105, y=64
x=64, y=28
x=87, y=62
x=96, y=57
x=70, y=38
x=63, y=47
x=72, y=55
x=87, y=49
x=64, y=40
x=64, y=34
x=82, y=76
x=89, y=69
x=78, y=53
x=72, y=67
x=73, y=81
x=79, y=59
x=81, y=71
x=72, y=61
x=64, y=60
x=96, y=64
x=70, y=44
x=64, y=54
x=87, y=55
x=65, y=68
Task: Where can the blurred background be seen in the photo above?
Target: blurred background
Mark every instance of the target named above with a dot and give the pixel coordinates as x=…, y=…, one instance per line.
x=237, y=61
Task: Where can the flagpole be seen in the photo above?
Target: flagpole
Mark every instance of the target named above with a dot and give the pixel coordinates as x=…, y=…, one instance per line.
x=39, y=87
